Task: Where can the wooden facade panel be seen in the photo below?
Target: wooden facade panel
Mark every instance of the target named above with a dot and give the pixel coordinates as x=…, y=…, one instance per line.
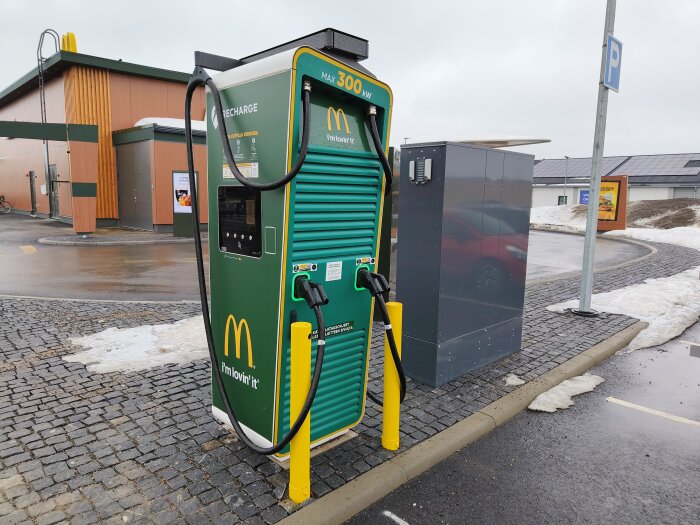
x=83, y=161
x=120, y=101
x=134, y=98
x=84, y=217
x=176, y=101
x=169, y=157
x=87, y=101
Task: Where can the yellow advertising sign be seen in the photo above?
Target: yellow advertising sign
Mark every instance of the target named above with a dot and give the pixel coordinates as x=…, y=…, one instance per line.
x=609, y=200
x=237, y=329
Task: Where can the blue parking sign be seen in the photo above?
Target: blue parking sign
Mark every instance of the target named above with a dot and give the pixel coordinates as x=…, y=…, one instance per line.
x=613, y=62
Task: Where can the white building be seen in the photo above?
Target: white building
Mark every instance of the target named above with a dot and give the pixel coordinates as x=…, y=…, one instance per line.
x=651, y=177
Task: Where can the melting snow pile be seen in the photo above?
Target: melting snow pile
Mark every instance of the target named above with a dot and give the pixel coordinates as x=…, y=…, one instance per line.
x=560, y=396
x=688, y=236
x=513, y=380
x=142, y=347
x=669, y=305
x=559, y=216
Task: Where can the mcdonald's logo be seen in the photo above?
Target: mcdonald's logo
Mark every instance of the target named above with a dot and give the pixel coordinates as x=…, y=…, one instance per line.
x=337, y=115
x=237, y=329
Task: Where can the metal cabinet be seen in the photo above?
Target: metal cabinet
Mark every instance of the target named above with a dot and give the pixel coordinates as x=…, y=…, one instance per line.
x=462, y=256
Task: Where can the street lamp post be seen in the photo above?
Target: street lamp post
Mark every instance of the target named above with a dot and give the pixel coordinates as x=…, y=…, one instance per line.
x=566, y=172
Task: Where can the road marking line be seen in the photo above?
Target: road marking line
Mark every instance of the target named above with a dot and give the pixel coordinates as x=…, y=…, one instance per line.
x=393, y=517
x=659, y=413
x=28, y=249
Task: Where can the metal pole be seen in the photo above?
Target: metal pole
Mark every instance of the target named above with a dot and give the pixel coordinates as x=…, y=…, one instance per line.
x=566, y=172
x=584, y=307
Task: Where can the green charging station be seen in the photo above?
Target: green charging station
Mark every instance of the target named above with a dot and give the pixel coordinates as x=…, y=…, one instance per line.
x=323, y=226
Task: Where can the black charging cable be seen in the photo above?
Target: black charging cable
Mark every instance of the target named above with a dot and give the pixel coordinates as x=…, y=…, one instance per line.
x=377, y=285
x=200, y=78
x=374, y=132
x=313, y=293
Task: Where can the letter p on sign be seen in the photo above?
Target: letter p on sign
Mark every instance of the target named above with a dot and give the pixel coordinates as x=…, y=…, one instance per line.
x=613, y=62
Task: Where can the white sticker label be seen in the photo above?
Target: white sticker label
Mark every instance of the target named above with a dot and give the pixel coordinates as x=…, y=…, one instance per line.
x=248, y=169
x=334, y=270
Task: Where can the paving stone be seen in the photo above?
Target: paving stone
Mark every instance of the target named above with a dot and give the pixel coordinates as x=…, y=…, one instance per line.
x=50, y=518
x=273, y=514
x=147, y=439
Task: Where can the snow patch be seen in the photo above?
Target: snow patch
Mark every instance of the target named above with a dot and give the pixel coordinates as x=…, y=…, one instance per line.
x=668, y=304
x=559, y=216
x=142, y=347
x=688, y=236
x=513, y=380
x=560, y=396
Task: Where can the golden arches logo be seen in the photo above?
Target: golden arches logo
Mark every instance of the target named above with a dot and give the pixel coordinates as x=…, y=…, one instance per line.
x=336, y=115
x=237, y=329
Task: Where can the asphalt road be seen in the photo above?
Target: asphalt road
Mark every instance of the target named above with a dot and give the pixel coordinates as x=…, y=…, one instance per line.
x=597, y=462
x=551, y=254
x=158, y=272
x=168, y=271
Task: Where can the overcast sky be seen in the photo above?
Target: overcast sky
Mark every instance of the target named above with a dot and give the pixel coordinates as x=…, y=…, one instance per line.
x=458, y=69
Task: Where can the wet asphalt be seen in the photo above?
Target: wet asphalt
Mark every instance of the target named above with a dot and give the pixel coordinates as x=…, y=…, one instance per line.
x=596, y=462
x=555, y=254
x=158, y=272
x=167, y=272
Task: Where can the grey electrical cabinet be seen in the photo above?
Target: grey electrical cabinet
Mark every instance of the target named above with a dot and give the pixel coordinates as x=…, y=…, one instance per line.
x=462, y=256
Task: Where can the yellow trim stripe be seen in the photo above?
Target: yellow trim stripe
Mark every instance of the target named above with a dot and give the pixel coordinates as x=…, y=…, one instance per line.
x=292, y=107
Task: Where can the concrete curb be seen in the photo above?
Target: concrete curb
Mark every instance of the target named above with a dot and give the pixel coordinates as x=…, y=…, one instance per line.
x=352, y=498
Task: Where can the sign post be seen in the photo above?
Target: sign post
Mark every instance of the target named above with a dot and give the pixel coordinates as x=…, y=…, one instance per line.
x=609, y=79
x=182, y=204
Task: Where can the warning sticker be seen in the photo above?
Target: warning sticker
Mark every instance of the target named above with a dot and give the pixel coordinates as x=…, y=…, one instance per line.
x=334, y=270
x=336, y=329
x=248, y=169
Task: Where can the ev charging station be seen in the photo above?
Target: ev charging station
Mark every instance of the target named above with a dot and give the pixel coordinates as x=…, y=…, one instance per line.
x=300, y=247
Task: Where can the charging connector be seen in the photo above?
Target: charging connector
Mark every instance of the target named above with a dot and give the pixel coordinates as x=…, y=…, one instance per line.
x=309, y=291
x=377, y=285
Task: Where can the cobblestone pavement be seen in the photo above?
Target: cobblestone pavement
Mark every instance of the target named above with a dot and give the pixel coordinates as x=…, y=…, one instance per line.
x=142, y=447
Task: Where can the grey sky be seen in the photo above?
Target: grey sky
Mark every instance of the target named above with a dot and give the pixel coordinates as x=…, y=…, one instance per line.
x=458, y=69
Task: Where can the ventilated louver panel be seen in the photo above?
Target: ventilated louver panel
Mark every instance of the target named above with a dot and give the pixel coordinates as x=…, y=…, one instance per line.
x=340, y=392
x=335, y=217
x=337, y=205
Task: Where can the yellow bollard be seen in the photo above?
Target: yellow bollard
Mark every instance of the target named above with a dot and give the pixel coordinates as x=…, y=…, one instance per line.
x=392, y=387
x=300, y=451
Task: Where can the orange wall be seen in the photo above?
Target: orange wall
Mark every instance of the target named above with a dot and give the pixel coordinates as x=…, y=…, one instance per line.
x=87, y=102
x=169, y=157
x=134, y=98
x=18, y=156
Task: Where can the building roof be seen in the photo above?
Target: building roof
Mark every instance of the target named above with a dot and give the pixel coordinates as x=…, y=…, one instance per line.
x=674, y=169
x=163, y=130
x=58, y=63
x=503, y=142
